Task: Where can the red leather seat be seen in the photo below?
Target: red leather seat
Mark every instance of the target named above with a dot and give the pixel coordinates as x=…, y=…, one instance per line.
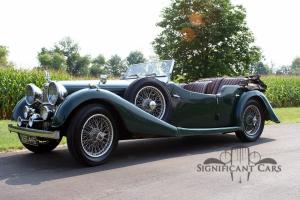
x=231, y=81
x=215, y=84
x=199, y=87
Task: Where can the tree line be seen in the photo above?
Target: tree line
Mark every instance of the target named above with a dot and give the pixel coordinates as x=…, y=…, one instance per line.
x=65, y=56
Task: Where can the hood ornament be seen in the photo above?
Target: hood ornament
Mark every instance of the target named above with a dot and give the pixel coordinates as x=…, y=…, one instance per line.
x=103, y=78
x=47, y=76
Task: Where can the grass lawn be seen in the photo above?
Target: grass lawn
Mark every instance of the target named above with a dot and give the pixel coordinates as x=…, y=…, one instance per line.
x=10, y=141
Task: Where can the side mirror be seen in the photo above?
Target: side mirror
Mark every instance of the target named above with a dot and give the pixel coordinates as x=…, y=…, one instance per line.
x=103, y=78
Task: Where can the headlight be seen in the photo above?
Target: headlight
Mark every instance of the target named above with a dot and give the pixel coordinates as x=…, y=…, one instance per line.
x=33, y=93
x=26, y=111
x=45, y=112
x=56, y=91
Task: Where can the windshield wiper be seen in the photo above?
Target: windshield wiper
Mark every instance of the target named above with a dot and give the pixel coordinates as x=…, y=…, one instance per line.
x=131, y=75
x=151, y=74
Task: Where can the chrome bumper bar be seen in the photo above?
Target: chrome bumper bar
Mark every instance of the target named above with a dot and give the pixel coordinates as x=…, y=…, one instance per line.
x=34, y=132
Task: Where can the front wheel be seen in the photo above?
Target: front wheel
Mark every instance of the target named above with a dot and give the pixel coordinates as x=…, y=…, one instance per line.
x=253, y=121
x=92, y=135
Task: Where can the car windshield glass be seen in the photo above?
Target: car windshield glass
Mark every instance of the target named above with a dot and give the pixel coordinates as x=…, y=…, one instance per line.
x=158, y=68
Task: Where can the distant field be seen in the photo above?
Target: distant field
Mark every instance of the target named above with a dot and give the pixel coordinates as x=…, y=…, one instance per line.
x=9, y=141
x=283, y=91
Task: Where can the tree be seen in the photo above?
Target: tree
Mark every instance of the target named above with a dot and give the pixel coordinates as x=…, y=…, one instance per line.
x=98, y=66
x=135, y=57
x=206, y=38
x=80, y=65
x=295, y=67
x=3, y=56
x=65, y=55
x=70, y=49
x=52, y=60
x=283, y=70
x=260, y=69
x=115, y=65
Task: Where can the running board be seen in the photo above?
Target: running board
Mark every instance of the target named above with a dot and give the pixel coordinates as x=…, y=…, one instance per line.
x=205, y=131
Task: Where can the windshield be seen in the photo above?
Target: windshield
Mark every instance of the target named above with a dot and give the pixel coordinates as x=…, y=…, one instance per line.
x=158, y=69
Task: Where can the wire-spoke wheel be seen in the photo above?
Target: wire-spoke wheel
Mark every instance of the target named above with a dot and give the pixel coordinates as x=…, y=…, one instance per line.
x=253, y=121
x=92, y=134
x=97, y=135
x=151, y=100
x=152, y=96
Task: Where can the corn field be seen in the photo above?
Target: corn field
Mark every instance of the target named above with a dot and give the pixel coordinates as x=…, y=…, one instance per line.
x=13, y=83
x=283, y=91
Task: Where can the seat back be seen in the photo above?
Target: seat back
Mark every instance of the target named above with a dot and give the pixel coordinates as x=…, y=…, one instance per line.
x=199, y=87
x=230, y=81
x=215, y=84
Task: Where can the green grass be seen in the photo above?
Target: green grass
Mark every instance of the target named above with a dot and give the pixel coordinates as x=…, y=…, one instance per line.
x=10, y=141
x=288, y=115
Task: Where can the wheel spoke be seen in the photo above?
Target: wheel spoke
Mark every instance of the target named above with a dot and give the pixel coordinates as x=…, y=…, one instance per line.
x=97, y=135
x=251, y=120
x=147, y=94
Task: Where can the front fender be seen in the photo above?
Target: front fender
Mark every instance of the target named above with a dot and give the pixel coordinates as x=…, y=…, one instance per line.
x=270, y=115
x=135, y=119
x=18, y=109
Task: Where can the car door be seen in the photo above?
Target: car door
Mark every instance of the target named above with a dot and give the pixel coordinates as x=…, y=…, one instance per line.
x=193, y=110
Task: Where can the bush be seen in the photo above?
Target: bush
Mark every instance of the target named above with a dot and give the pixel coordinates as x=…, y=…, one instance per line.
x=13, y=83
x=283, y=91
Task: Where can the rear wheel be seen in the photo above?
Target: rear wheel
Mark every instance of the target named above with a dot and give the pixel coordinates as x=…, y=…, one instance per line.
x=253, y=121
x=92, y=135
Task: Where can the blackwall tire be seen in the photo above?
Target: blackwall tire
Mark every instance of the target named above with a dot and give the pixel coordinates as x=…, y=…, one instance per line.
x=92, y=135
x=159, y=89
x=256, y=123
x=43, y=146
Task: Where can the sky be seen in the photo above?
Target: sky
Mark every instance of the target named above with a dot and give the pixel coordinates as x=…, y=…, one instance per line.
x=117, y=27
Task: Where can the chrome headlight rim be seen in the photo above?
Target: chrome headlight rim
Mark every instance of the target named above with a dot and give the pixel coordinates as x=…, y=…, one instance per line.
x=33, y=93
x=26, y=112
x=45, y=112
x=57, y=94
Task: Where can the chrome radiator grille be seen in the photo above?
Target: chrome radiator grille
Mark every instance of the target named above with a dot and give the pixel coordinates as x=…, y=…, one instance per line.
x=45, y=89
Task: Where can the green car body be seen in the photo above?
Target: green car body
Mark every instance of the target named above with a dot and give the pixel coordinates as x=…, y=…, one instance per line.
x=193, y=113
x=94, y=115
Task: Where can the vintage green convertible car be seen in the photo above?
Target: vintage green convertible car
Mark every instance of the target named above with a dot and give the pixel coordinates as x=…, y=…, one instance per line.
x=95, y=115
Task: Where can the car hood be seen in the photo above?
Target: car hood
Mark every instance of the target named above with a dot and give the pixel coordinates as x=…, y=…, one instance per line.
x=116, y=86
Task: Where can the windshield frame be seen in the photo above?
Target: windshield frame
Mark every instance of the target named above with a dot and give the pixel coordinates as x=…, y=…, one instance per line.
x=135, y=76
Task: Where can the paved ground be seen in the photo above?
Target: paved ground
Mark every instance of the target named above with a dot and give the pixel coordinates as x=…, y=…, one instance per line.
x=156, y=169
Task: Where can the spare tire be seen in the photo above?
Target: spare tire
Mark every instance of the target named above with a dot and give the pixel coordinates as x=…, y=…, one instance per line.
x=152, y=96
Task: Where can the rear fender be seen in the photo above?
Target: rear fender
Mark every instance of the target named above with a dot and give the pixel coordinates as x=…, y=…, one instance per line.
x=270, y=115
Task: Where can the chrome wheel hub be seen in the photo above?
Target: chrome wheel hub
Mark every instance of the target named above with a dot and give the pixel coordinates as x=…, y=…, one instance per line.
x=152, y=105
x=151, y=100
x=97, y=135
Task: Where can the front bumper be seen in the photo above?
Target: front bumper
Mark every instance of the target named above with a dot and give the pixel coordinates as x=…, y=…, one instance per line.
x=34, y=132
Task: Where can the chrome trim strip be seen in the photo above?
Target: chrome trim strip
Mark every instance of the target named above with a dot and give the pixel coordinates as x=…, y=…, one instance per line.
x=34, y=132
